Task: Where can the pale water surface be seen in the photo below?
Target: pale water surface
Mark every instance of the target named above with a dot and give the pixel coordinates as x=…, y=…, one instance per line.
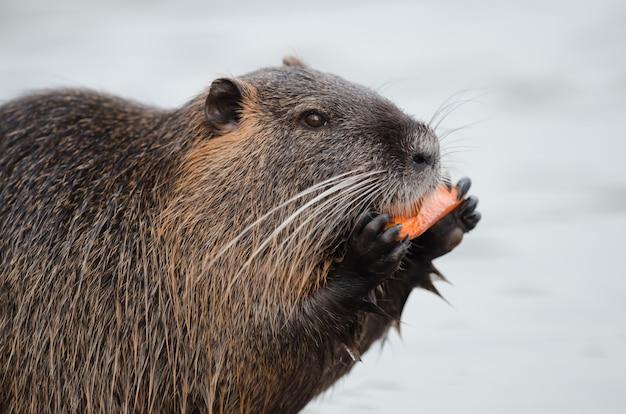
x=538, y=316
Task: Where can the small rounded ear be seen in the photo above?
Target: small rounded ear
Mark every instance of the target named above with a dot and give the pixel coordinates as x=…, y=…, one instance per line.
x=223, y=104
x=293, y=61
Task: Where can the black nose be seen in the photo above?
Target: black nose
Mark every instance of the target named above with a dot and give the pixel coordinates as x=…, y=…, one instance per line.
x=422, y=159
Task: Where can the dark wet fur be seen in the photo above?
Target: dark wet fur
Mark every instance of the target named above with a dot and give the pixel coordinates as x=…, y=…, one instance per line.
x=101, y=230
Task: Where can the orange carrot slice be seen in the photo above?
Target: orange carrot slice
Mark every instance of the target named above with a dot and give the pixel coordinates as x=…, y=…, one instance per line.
x=434, y=207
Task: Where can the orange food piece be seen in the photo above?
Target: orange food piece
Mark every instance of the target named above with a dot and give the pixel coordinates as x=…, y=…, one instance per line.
x=434, y=207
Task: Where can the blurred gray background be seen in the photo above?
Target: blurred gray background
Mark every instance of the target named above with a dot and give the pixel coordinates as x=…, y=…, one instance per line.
x=538, y=316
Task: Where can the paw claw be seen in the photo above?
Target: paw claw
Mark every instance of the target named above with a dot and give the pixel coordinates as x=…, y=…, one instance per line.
x=362, y=221
x=469, y=205
x=374, y=227
x=391, y=235
x=374, y=252
x=463, y=185
x=472, y=220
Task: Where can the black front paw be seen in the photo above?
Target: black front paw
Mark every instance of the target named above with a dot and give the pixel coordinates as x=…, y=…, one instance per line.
x=373, y=254
x=448, y=232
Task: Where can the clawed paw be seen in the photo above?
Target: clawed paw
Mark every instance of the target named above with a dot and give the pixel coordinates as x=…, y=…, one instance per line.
x=374, y=248
x=374, y=252
x=466, y=213
x=448, y=232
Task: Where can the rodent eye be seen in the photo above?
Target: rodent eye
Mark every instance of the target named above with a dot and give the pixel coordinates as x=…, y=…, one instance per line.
x=314, y=119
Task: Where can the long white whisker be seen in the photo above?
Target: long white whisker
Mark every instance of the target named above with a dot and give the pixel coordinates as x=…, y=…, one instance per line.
x=360, y=190
x=330, y=202
x=451, y=131
x=444, y=104
x=337, y=187
x=367, y=195
x=448, y=110
x=289, y=219
x=335, y=214
x=301, y=194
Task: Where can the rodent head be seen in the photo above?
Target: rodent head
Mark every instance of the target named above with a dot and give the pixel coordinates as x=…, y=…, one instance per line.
x=317, y=126
x=278, y=164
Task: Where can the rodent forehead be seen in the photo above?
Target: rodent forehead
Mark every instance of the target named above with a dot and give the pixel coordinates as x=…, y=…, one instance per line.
x=288, y=89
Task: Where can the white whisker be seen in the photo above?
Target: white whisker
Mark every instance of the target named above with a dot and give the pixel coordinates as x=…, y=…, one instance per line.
x=445, y=104
x=337, y=207
x=331, y=218
x=301, y=194
x=346, y=182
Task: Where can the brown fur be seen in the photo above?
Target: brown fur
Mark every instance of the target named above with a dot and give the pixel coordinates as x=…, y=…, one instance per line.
x=121, y=291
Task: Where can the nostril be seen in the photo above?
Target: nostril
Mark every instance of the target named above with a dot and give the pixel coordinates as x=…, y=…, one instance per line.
x=422, y=159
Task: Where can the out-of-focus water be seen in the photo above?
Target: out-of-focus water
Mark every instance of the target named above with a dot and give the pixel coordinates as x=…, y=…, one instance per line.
x=538, y=322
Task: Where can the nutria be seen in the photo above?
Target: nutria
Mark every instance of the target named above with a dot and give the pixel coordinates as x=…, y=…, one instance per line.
x=221, y=257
